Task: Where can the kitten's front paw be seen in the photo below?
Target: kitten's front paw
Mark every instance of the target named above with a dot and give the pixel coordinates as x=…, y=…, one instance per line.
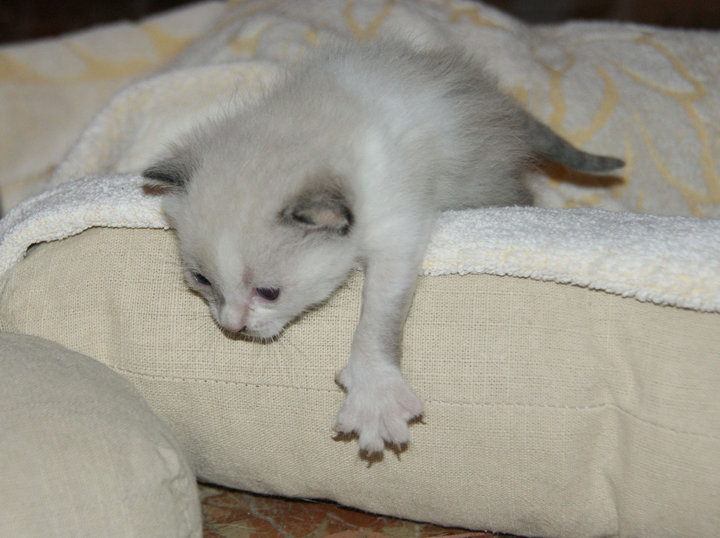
x=377, y=408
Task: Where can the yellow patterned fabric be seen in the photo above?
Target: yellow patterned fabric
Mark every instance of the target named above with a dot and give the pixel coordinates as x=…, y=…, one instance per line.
x=645, y=94
x=50, y=89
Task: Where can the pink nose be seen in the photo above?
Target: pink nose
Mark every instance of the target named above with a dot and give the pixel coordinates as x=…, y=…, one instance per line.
x=233, y=319
x=233, y=327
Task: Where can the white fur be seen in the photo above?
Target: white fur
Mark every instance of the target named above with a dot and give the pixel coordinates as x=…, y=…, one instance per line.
x=348, y=161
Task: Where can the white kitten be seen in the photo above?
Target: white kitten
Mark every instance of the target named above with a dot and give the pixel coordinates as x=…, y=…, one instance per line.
x=348, y=160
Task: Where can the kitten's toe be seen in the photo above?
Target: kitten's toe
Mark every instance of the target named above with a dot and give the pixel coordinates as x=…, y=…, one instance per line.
x=379, y=414
x=371, y=443
x=370, y=439
x=395, y=430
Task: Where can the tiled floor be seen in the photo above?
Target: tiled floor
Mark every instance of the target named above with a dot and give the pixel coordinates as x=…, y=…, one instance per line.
x=234, y=514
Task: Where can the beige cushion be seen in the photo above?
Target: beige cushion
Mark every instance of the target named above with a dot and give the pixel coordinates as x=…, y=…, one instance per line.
x=550, y=409
x=82, y=454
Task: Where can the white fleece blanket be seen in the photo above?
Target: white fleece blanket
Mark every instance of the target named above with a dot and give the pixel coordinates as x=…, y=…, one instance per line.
x=647, y=95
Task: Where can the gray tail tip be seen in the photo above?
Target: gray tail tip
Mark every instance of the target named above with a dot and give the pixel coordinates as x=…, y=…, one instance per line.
x=603, y=164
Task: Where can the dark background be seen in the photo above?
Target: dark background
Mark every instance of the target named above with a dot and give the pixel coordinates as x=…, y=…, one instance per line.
x=28, y=19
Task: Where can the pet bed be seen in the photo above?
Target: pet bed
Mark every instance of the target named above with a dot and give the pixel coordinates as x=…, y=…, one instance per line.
x=567, y=355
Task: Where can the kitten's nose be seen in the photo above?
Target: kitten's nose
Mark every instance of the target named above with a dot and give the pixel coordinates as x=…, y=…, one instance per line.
x=232, y=319
x=234, y=329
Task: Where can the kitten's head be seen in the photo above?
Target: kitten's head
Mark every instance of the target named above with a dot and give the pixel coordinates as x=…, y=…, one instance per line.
x=260, y=250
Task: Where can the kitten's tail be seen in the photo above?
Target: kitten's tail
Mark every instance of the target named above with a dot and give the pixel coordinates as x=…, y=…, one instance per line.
x=550, y=145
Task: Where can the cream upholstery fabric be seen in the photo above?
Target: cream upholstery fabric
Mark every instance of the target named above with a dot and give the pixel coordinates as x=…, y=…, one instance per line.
x=81, y=453
x=550, y=409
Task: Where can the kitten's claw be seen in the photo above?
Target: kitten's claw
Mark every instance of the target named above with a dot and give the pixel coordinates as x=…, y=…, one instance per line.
x=377, y=409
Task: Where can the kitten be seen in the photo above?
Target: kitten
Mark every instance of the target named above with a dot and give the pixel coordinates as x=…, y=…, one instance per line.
x=348, y=160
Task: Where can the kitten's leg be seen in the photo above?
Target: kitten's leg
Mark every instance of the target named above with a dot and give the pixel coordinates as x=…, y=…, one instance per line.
x=379, y=402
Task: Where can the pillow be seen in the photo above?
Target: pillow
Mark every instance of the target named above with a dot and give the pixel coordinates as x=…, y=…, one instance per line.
x=82, y=454
x=550, y=409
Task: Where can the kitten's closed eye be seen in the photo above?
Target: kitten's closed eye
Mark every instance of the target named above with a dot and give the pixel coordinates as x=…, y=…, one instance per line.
x=201, y=279
x=269, y=294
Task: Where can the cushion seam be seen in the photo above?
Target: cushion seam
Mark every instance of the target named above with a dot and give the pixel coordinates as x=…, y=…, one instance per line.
x=591, y=407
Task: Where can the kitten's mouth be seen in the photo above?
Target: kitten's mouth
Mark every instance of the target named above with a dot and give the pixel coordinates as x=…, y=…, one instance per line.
x=252, y=335
x=246, y=336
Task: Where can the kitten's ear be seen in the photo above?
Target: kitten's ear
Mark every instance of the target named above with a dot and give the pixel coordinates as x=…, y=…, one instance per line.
x=170, y=176
x=319, y=210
